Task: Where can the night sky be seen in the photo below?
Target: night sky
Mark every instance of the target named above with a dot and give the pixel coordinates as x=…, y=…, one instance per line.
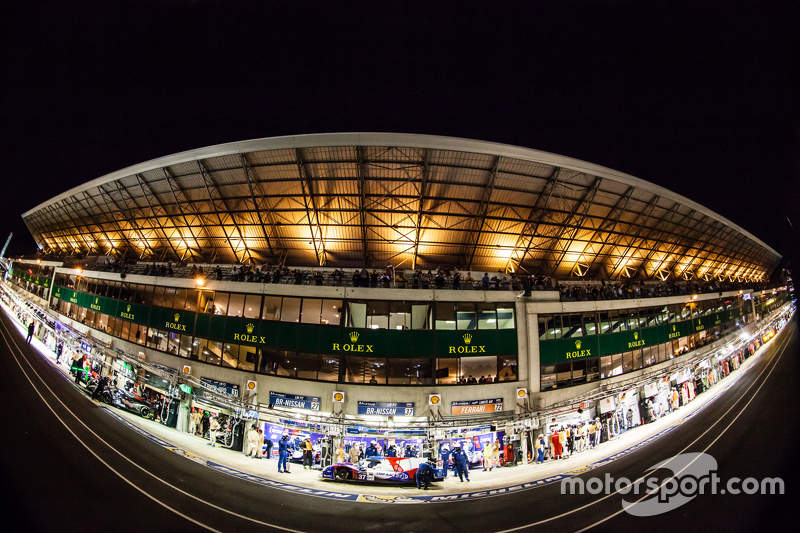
x=701, y=98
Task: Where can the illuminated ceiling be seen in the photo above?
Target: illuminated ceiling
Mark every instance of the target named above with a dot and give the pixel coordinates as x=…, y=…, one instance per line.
x=346, y=200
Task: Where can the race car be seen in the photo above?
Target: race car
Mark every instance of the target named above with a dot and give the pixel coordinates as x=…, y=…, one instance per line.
x=378, y=470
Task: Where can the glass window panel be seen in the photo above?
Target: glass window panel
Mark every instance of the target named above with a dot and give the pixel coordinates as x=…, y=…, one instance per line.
x=627, y=362
x=593, y=369
x=268, y=362
x=421, y=316
x=397, y=370
x=399, y=315
x=633, y=320
x=312, y=309
x=589, y=324
x=445, y=315
x=616, y=364
x=146, y=294
x=191, y=300
x=465, y=316
x=643, y=313
x=185, y=349
x=247, y=358
x=290, y=310
x=505, y=318
x=579, y=372
x=236, y=305
x=605, y=367
x=543, y=321
x=507, y=368
x=356, y=315
x=180, y=299
x=200, y=348
x=637, y=359
x=271, y=309
x=353, y=368
x=487, y=316
x=421, y=371
x=378, y=314
x=481, y=366
x=548, y=380
x=563, y=374
x=328, y=367
x=572, y=326
x=331, y=315
x=220, y=302
x=158, y=296
x=173, y=342
x=126, y=330
x=252, y=306
x=374, y=370
x=230, y=355
x=169, y=296
x=214, y=352
x=447, y=371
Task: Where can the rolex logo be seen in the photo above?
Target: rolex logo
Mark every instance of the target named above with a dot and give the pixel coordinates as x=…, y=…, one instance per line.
x=96, y=300
x=636, y=335
x=467, y=338
x=129, y=308
x=177, y=317
x=250, y=328
x=673, y=327
x=578, y=344
x=353, y=336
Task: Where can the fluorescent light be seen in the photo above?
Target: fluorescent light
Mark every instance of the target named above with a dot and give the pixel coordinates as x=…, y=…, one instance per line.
x=491, y=321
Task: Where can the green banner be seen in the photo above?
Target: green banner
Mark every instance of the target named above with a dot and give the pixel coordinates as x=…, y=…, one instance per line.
x=561, y=350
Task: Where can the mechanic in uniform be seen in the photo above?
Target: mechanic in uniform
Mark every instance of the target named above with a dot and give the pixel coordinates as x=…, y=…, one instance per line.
x=283, y=454
x=424, y=475
x=444, y=455
x=371, y=450
x=460, y=461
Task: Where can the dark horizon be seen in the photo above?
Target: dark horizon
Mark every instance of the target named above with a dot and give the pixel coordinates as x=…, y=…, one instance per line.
x=697, y=99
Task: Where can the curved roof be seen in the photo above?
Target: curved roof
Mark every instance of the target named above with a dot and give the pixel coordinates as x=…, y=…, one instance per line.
x=350, y=199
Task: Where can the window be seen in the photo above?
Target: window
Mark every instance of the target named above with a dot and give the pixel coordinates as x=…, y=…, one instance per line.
x=447, y=371
x=481, y=366
x=272, y=308
x=627, y=362
x=548, y=377
x=399, y=315
x=605, y=367
x=247, y=358
x=331, y=312
x=465, y=316
x=221, y=303
x=505, y=318
x=169, y=296
x=180, y=299
x=158, y=296
x=397, y=371
x=572, y=325
x=487, y=316
x=290, y=310
x=377, y=314
x=421, y=316
x=579, y=372
x=593, y=369
x=252, y=306
x=312, y=309
x=589, y=324
x=507, y=367
x=236, y=305
x=445, y=315
x=230, y=355
x=563, y=374
x=356, y=315
x=328, y=367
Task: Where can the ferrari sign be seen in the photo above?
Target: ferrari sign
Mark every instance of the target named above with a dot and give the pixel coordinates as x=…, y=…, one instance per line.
x=477, y=406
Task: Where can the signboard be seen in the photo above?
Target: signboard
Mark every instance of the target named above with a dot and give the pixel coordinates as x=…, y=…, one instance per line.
x=295, y=401
x=472, y=407
x=386, y=408
x=220, y=387
x=607, y=405
x=651, y=389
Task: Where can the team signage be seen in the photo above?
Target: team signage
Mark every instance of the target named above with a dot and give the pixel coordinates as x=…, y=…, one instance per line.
x=637, y=342
x=578, y=352
x=175, y=326
x=386, y=408
x=280, y=399
x=126, y=313
x=220, y=387
x=472, y=407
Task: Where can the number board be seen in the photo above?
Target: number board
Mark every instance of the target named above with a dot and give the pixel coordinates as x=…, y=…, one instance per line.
x=472, y=407
x=386, y=408
x=280, y=399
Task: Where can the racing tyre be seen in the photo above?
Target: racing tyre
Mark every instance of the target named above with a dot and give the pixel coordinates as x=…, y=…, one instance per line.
x=145, y=412
x=106, y=397
x=343, y=474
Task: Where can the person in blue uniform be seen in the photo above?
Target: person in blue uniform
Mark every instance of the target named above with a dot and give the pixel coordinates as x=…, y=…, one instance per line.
x=283, y=454
x=408, y=452
x=371, y=450
x=424, y=475
x=460, y=461
x=444, y=455
x=391, y=452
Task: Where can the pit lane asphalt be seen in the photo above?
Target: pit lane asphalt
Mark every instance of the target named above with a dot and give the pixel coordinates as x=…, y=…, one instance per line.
x=52, y=482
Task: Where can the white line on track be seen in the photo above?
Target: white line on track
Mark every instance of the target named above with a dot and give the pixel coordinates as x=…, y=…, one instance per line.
x=10, y=340
x=772, y=363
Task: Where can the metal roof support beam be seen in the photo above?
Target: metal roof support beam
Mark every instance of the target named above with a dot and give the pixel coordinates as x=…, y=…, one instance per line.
x=610, y=224
x=127, y=210
x=209, y=184
x=532, y=224
x=140, y=179
x=362, y=194
x=311, y=208
x=483, y=209
x=670, y=213
x=119, y=228
x=583, y=206
x=246, y=167
x=133, y=218
x=55, y=206
x=173, y=186
x=697, y=223
x=645, y=214
x=420, y=203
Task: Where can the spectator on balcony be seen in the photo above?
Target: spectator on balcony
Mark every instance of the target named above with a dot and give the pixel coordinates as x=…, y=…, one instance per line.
x=364, y=277
x=426, y=280
x=468, y=281
x=318, y=278
x=485, y=281
x=415, y=279
x=456, y=281
x=400, y=280
x=373, y=279
x=440, y=280
x=337, y=277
